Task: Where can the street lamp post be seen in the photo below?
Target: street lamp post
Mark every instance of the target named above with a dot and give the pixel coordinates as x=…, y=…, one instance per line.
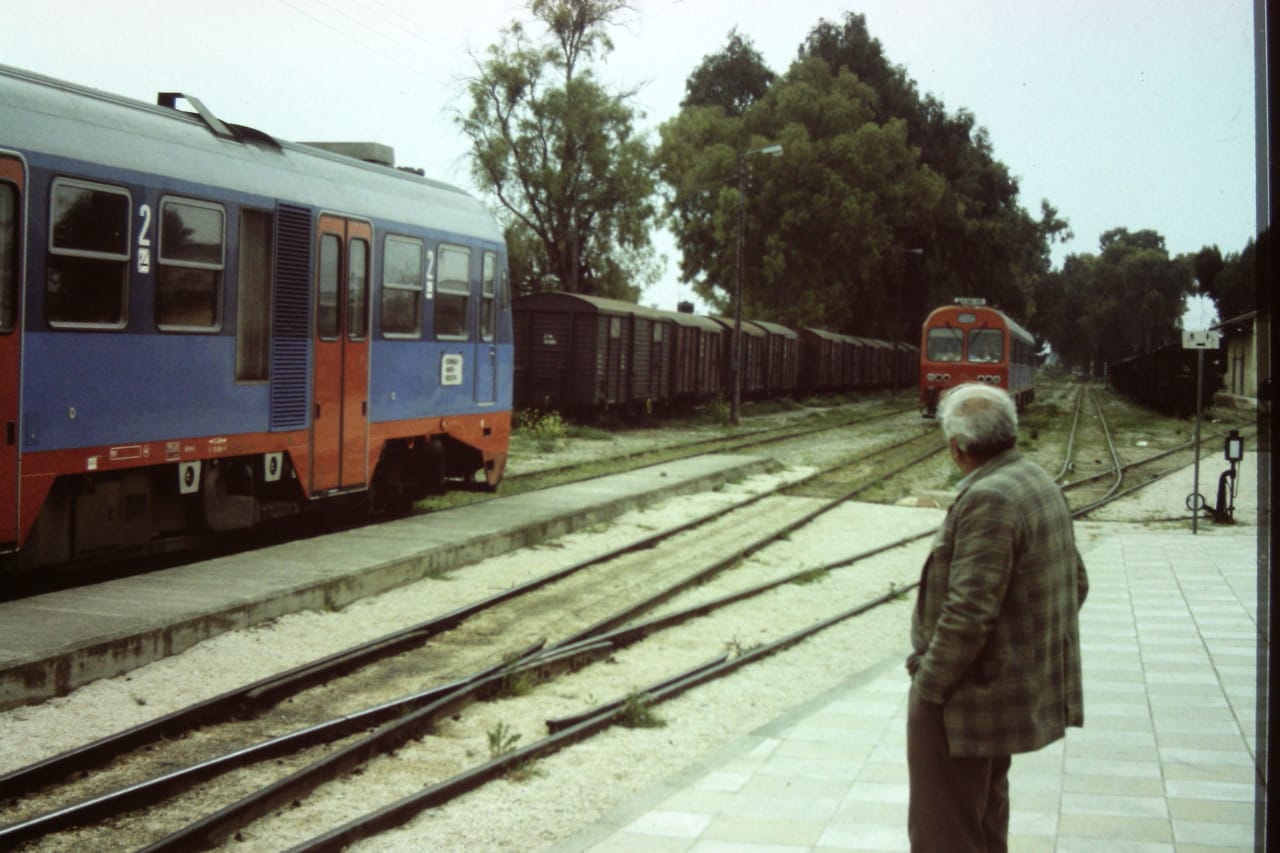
x=735, y=361
x=900, y=286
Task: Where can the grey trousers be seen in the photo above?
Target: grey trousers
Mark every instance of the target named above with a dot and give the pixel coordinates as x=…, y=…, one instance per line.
x=958, y=805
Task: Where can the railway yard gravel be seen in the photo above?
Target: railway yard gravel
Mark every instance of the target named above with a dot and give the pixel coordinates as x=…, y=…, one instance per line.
x=569, y=790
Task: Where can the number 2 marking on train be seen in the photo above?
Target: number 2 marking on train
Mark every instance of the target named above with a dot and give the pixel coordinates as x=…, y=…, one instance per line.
x=144, y=239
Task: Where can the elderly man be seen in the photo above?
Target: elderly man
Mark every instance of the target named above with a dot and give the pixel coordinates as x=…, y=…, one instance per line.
x=995, y=665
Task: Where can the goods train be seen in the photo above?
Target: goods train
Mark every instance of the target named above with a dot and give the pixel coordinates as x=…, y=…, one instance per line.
x=203, y=327
x=971, y=342
x=585, y=353
x=1165, y=378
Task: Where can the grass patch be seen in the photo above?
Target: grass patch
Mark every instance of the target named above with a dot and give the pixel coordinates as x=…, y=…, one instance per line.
x=544, y=430
x=811, y=576
x=519, y=683
x=638, y=713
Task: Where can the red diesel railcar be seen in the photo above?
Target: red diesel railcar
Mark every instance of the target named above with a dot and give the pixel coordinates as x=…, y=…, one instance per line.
x=971, y=342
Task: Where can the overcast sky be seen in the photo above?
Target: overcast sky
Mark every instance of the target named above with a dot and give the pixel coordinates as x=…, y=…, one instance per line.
x=1122, y=113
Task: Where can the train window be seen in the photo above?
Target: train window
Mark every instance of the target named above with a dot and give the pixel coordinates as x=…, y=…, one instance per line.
x=453, y=291
x=357, y=290
x=327, y=287
x=944, y=344
x=402, y=287
x=488, y=316
x=253, y=297
x=89, y=227
x=189, y=274
x=8, y=257
x=986, y=346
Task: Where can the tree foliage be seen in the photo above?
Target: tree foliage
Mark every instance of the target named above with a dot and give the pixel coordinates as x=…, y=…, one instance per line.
x=882, y=205
x=1232, y=282
x=1126, y=300
x=560, y=155
x=733, y=79
x=817, y=221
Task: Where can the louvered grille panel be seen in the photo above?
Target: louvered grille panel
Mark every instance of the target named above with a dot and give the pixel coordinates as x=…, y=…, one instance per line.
x=290, y=319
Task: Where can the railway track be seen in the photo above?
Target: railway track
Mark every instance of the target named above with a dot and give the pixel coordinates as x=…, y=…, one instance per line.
x=669, y=636
x=1094, y=472
x=734, y=441
x=192, y=549
x=582, y=600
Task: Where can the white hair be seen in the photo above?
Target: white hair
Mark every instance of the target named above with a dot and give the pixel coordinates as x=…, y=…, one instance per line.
x=981, y=418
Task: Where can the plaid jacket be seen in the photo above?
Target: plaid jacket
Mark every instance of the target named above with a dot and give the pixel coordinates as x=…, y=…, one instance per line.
x=995, y=633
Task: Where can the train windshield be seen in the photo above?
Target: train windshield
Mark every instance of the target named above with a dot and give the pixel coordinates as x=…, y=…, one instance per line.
x=986, y=345
x=945, y=344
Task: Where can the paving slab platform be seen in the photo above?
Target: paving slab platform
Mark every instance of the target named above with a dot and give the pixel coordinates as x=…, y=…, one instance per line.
x=1170, y=759
x=51, y=644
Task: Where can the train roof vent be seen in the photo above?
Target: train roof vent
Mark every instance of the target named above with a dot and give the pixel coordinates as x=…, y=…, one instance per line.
x=369, y=152
x=971, y=301
x=170, y=100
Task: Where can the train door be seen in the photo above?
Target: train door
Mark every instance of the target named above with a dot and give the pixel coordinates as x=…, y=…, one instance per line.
x=11, y=186
x=486, y=354
x=340, y=425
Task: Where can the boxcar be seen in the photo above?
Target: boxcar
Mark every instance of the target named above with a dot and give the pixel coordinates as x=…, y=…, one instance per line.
x=202, y=326
x=1165, y=378
x=821, y=359
x=908, y=360
x=971, y=342
x=781, y=359
x=754, y=356
x=871, y=365
x=697, y=352
x=578, y=352
x=856, y=363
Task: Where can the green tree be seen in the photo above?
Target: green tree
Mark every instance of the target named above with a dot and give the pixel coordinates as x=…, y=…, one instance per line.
x=820, y=222
x=883, y=205
x=1061, y=298
x=1126, y=300
x=734, y=79
x=1207, y=264
x=977, y=240
x=1235, y=288
x=1150, y=287
x=560, y=155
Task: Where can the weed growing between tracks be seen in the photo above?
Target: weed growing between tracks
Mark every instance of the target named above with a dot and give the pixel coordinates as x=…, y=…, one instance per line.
x=520, y=683
x=812, y=576
x=544, y=430
x=638, y=713
x=502, y=740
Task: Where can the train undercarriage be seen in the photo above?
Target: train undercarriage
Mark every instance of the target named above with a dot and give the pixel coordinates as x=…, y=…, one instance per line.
x=104, y=515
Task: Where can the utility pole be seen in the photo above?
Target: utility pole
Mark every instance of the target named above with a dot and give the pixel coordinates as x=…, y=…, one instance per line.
x=735, y=360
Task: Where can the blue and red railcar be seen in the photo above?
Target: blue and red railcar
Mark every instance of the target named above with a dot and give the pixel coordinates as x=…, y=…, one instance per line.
x=971, y=342
x=202, y=327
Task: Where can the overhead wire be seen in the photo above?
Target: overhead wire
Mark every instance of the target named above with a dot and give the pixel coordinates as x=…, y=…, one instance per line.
x=386, y=12
x=348, y=35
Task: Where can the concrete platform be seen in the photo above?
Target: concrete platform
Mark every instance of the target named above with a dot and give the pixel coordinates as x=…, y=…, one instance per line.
x=53, y=643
